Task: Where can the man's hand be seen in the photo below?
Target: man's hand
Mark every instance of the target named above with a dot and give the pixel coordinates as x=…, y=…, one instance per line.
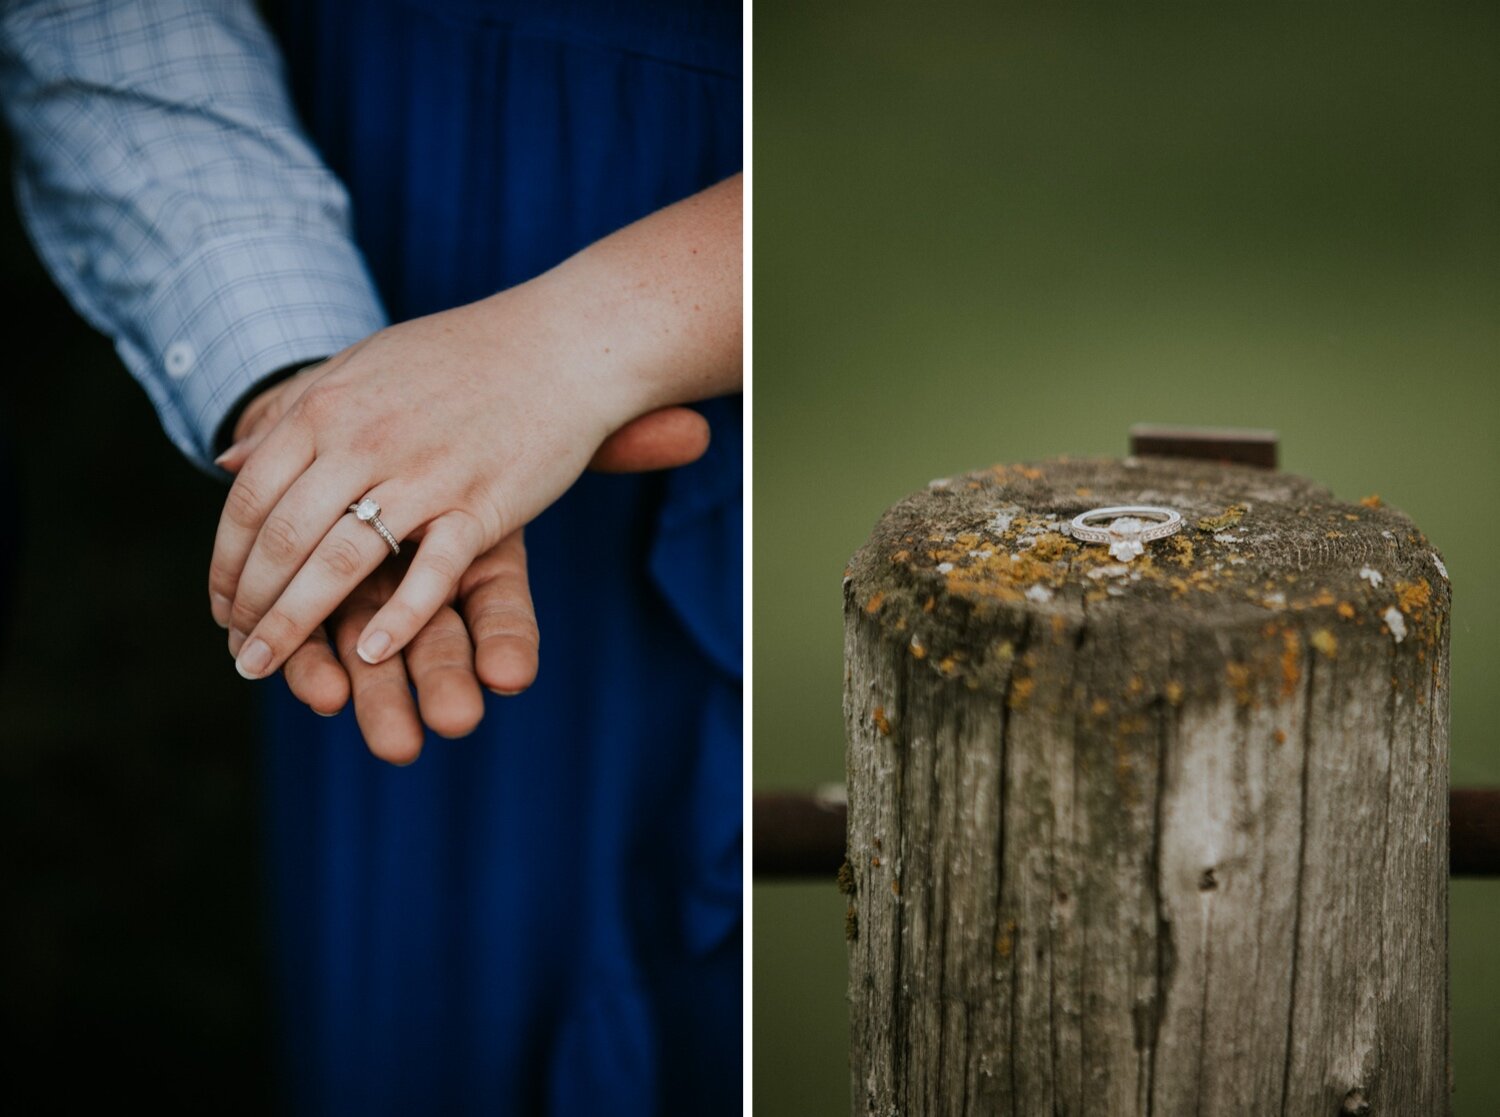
x=491, y=639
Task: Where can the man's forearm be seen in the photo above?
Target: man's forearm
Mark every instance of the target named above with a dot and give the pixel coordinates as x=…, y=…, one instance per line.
x=178, y=205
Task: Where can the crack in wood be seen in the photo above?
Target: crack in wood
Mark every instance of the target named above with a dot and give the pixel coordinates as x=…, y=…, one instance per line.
x=1296, y=972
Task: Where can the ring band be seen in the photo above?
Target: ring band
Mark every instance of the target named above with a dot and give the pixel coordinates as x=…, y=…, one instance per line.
x=368, y=511
x=1131, y=527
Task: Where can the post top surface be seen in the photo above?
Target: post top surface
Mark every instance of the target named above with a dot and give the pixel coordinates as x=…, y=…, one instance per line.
x=1255, y=546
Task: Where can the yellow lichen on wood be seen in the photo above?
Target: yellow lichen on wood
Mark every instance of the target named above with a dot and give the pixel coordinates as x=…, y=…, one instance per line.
x=1005, y=942
x=873, y=605
x=1291, y=662
x=882, y=722
x=1050, y=546
x=1225, y=519
x=1242, y=681
x=845, y=878
x=1325, y=641
x=918, y=649
x=1316, y=601
x=1413, y=597
x=1020, y=693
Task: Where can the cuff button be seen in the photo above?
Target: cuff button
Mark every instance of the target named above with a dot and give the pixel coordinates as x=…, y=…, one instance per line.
x=179, y=359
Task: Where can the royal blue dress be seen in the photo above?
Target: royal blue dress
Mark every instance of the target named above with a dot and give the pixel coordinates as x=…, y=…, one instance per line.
x=543, y=918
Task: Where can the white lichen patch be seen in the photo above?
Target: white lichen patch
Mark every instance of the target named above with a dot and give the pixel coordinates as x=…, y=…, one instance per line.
x=1226, y=537
x=1371, y=575
x=1437, y=562
x=939, y=483
x=1395, y=622
x=1388, y=535
x=1002, y=520
x=945, y=568
x=1040, y=594
x=1276, y=600
x=1042, y=525
x=981, y=554
x=1114, y=570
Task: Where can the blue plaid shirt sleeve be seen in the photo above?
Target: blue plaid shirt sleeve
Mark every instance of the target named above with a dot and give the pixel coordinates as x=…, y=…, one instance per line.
x=169, y=190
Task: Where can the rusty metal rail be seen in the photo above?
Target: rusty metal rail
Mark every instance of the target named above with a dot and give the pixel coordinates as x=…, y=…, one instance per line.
x=801, y=837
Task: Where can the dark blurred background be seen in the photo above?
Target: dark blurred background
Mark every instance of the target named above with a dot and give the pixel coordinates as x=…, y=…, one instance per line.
x=1004, y=232
x=132, y=952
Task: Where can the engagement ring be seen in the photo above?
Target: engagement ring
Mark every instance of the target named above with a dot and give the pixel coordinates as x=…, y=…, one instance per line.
x=367, y=511
x=1131, y=527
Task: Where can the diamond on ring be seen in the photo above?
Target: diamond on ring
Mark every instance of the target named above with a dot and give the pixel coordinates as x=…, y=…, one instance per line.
x=367, y=511
x=1125, y=538
x=1130, y=528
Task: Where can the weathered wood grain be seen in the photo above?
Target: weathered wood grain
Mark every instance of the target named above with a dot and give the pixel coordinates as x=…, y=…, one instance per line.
x=1161, y=839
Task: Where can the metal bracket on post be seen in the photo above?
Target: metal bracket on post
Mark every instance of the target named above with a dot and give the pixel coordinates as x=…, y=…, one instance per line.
x=1205, y=444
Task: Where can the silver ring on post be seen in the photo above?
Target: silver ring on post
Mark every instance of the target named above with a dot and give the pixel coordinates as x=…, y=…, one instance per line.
x=1131, y=527
x=368, y=511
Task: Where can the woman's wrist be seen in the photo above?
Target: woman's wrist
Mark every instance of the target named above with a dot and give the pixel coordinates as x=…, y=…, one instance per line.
x=601, y=349
x=651, y=315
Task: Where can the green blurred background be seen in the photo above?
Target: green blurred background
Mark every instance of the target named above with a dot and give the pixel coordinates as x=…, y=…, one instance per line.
x=986, y=235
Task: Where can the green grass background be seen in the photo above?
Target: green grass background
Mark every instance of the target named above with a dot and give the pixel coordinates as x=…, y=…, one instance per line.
x=992, y=235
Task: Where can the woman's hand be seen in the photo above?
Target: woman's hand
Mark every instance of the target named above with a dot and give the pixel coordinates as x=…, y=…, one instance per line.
x=465, y=424
x=489, y=637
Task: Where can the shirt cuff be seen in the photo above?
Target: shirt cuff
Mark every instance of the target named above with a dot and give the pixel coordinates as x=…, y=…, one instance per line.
x=239, y=310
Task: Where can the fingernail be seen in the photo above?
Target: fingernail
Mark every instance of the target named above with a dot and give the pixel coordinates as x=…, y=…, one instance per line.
x=253, y=659
x=374, y=646
x=226, y=455
x=236, y=641
x=219, y=605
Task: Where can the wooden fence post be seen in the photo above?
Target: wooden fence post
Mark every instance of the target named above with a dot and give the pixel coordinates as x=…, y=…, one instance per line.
x=1163, y=837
